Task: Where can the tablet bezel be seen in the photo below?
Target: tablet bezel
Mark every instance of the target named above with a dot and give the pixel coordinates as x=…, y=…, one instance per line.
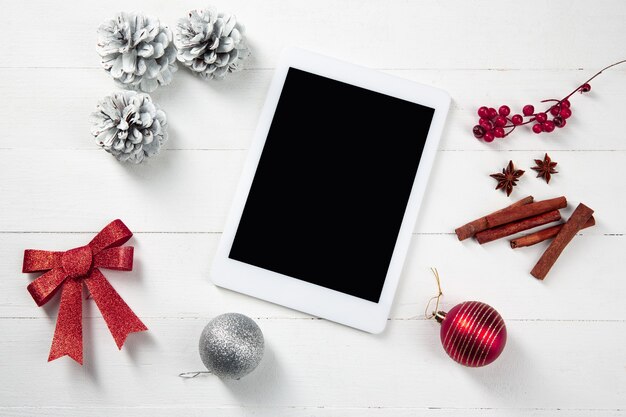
x=295, y=293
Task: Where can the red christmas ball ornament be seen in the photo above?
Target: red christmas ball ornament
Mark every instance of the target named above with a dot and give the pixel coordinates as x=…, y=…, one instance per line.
x=472, y=333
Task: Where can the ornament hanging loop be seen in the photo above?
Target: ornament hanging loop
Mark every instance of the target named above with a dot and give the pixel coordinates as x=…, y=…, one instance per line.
x=436, y=314
x=193, y=374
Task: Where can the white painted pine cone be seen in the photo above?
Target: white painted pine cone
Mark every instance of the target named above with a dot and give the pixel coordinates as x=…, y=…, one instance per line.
x=211, y=44
x=137, y=51
x=130, y=126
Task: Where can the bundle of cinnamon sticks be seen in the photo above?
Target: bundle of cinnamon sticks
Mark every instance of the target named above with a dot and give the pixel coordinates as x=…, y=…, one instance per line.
x=526, y=214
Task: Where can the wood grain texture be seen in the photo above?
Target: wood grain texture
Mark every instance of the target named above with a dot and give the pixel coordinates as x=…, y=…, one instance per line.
x=191, y=191
x=235, y=411
x=565, y=355
x=223, y=115
x=323, y=364
x=170, y=278
x=403, y=34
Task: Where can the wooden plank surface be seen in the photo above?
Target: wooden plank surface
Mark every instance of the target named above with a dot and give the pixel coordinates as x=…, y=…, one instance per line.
x=175, y=267
x=191, y=191
x=324, y=365
x=227, y=112
x=401, y=34
x=237, y=411
x=565, y=355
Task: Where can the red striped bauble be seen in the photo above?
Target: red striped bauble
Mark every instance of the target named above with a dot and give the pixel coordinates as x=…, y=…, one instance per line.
x=472, y=333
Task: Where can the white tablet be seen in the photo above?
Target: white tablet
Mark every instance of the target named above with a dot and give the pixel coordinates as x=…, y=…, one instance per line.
x=328, y=199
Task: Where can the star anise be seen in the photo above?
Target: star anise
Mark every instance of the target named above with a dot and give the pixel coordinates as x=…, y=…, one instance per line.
x=545, y=168
x=508, y=179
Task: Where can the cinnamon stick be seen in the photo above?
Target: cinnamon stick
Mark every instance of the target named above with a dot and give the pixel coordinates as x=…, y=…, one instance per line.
x=470, y=229
x=576, y=221
x=518, y=226
x=517, y=213
x=544, y=234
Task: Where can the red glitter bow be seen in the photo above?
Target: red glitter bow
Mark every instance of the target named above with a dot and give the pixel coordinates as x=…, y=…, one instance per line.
x=68, y=270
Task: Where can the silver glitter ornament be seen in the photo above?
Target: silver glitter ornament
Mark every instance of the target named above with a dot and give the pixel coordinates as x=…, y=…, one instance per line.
x=231, y=345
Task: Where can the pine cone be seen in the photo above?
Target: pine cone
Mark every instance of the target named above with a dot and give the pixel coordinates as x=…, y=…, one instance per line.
x=130, y=126
x=211, y=44
x=137, y=51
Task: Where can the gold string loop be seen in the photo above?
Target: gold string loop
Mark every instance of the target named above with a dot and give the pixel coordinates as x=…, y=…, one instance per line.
x=193, y=374
x=436, y=297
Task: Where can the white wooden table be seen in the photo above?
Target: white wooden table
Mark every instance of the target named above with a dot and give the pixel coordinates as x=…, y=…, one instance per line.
x=566, y=352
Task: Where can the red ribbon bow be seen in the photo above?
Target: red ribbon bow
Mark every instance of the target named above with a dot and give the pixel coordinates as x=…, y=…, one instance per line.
x=68, y=270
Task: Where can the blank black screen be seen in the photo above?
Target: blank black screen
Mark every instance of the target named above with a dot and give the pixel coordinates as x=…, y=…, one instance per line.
x=332, y=184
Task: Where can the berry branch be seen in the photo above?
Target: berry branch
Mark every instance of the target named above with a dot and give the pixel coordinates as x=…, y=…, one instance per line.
x=497, y=123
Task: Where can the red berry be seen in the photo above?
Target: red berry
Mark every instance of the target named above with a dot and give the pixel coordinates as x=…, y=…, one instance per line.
x=541, y=117
x=479, y=131
x=547, y=126
x=504, y=111
x=483, y=112
x=585, y=88
x=565, y=113
x=492, y=113
x=565, y=103
x=488, y=137
x=485, y=124
x=498, y=132
x=517, y=119
x=537, y=128
x=528, y=110
x=500, y=121
x=555, y=110
x=559, y=121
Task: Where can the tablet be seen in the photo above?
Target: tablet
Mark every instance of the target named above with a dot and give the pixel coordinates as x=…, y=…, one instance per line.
x=328, y=198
